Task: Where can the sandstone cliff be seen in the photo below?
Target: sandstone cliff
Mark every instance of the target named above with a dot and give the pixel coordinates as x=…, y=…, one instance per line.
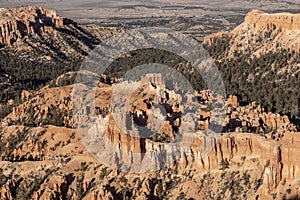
x=37, y=46
x=262, y=32
x=260, y=59
x=286, y=21
x=20, y=22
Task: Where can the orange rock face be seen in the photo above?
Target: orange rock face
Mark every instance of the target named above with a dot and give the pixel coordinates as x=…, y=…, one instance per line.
x=279, y=20
x=274, y=31
x=17, y=23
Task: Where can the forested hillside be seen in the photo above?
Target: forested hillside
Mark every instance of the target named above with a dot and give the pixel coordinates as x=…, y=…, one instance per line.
x=260, y=62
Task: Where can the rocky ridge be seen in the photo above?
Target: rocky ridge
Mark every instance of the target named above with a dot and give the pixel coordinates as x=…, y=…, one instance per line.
x=37, y=46
x=20, y=22
x=259, y=60
x=262, y=32
x=286, y=21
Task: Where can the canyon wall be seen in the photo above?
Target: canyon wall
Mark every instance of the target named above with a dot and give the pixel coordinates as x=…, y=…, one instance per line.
x=17, y=23
x=278, y=20
x=260, y=33
x=272, y=161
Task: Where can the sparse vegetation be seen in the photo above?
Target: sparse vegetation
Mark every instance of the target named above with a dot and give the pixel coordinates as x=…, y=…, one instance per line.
x=224, y=164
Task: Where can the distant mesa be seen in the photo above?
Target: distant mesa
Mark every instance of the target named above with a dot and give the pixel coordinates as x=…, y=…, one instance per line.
x=277, y=20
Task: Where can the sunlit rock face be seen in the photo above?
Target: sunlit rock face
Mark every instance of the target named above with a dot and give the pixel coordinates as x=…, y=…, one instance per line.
x=278, y=20
x=17, y=23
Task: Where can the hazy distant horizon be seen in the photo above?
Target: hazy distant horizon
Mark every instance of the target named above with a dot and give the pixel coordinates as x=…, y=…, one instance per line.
x=92, y=10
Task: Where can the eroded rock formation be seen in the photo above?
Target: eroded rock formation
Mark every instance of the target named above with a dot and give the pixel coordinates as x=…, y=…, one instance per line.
x=260, y=33
x=17, y=23
x=286, y=21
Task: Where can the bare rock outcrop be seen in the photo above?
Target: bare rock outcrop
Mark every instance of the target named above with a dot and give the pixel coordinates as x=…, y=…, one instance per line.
x=260, y=33
x=263, y=165
x=286, y=21
x=17, y=23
